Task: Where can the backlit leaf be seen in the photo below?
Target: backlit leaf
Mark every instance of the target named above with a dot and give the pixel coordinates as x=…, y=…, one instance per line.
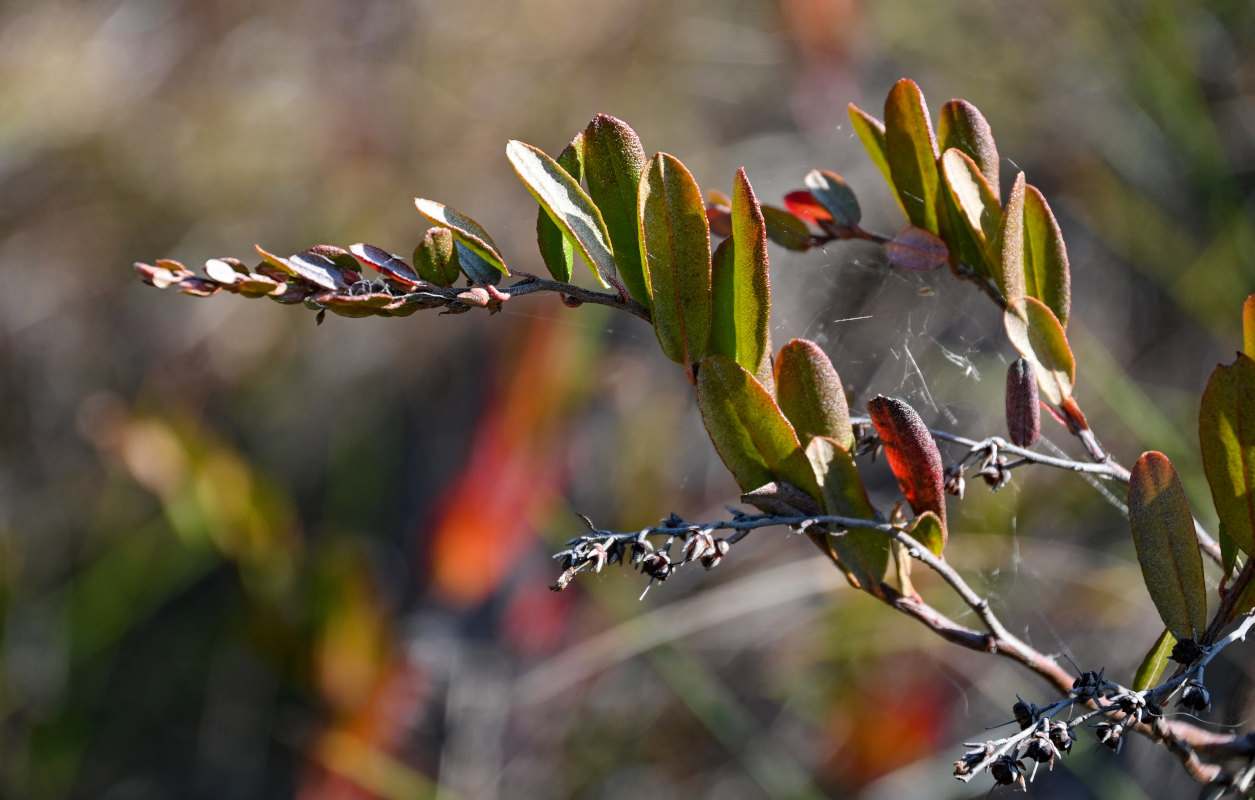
x=913, y=455
x=1039, y=337
x=1163, y=532
x=863, y=554
x=911, y=151
x=1153, y=664
x=916, y=249
x=467, y=231
x=752, y=436
x=832, y=192
x=871, y=132
x=804, y=205
x=1226, y=432
x=555, y=250
x=810, y=394
x=613, y=162
x=962, y=126
x=973, y=212
x=928, y=531
x=1248, y=326
x=1046, y=273
x=741, y=296
x=566, y=204
x=677, y=249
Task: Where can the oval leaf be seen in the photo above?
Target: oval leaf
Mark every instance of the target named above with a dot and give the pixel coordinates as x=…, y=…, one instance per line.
x=1039, y=337
x=871, y=132
x=973, y=213
x=962, y=126
x=748, y=429
x=436, y=257
x=1009, y=271
x=863, y=554
x=911, y=151
x=916, y=249
x=1156, y=659
x=469, y=234
x=318, y=270
x=613, y=162
x=913, y=455
x=1226, y=433
x=1163, y=532
x=785, y=229
x=567, y=205
x=677, y=248
x=810, y=394
x=832, y=192
x=740, y=287
x=388, y=264
x=1046, y=273
x=555, y=250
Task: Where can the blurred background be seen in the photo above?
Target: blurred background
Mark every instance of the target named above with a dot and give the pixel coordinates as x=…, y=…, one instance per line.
x=245, y=556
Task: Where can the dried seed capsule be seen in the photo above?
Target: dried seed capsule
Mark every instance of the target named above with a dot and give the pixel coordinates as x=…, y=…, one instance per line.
x=1023, y=408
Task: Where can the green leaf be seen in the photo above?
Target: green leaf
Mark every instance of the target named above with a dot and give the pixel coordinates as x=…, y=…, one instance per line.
x=748, y=429
x=1248, y=326
x=567, y=205
x=1152, y=666
x=862, y=553
x=1009, y=271
x=613, y=162
x=741, y=295
x=911, y=151
x=1163, y=532
x=810, y=394
x=555, y=250
x=785, y=229
x=1036, y=333
x=473, y=265
x=974, y=215
x=677, y=248
x=1228, y=549
x=962, y=126
x=436, y=258
x=835, y=195
x=469, y=234
x=871, y=132
x=1226, y=433
x=1046, y=273
x=912, y=454
x=928, y=531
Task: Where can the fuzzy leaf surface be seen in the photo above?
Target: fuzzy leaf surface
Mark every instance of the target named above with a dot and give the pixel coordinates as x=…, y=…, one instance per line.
x=1163, y=532
x=1226, y=433
x=863, y=554
x=567, y=205
x=750, y=433
x=810, y=394
x=1046, y=273
x=911, y=151
x=962, y=126
x=436, y=257
x=916, y=249
x=677, y=249
x=613, y=163
x=555, y=250
x=467, y=231
x=1009, y=266
x=913, y=455
x=871, y=132
x=1036, y=333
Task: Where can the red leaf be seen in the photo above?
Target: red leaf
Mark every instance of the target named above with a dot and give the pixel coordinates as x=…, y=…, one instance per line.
x=913, y=455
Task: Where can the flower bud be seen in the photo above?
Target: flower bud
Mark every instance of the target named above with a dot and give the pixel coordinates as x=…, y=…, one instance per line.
x=1023, y=408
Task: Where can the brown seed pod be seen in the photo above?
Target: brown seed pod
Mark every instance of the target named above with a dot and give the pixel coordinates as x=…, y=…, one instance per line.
x=1023, y=408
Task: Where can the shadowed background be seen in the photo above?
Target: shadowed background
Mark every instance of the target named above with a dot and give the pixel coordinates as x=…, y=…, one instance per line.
x=245, y=556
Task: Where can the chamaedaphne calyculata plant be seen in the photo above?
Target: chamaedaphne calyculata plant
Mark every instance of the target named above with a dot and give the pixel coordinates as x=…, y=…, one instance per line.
x=696, y=268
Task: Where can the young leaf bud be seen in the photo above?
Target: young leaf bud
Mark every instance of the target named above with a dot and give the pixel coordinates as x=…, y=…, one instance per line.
x=1023, y=408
